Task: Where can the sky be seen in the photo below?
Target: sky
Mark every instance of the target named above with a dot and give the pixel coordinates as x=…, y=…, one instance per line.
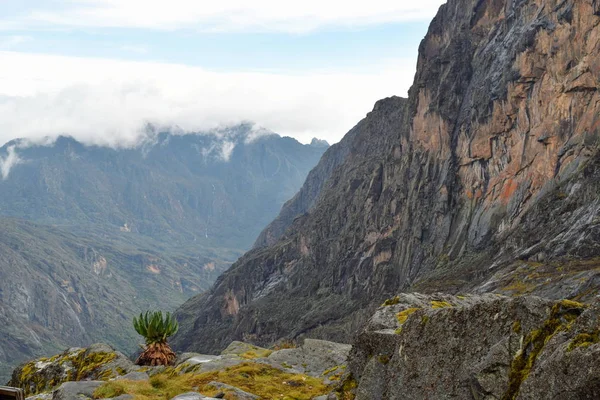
x=101, y=70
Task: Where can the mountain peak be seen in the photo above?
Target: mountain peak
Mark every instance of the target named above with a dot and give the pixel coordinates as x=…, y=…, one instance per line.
x=316, y=142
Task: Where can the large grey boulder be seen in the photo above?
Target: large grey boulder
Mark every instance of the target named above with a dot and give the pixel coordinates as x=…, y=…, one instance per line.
x=192, y=396
x=97, y=362
x=238, y=348
x=232, y=391
x=194, y=358
x=236, y=353
x=314, y=357
x=481, y=347
x=568, y=366
x=41, y=396
x=135, y=376
x=82, y=390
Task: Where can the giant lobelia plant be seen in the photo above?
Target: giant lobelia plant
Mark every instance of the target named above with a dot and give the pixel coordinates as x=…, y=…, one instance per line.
x=156, y=329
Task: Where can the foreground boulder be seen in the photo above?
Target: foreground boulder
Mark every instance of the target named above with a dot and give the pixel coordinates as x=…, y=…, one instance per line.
x=315, y=358
x=480, y=347
x=76, y=390
x=97, y=362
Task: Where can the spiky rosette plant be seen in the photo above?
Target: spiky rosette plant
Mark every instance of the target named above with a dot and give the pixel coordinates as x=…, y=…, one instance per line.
x=156, y=329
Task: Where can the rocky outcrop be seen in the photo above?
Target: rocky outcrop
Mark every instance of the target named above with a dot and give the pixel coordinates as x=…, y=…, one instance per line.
x=77, y=390
x=97, y=362
x=483, y=180
x=478, y=347
x=243, y=371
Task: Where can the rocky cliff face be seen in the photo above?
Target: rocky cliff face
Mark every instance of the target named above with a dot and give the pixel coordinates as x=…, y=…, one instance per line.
x=484, y=179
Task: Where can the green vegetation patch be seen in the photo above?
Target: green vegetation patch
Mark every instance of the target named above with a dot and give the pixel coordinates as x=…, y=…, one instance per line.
x=258, y=353
x=347, y=389
x=259, y=379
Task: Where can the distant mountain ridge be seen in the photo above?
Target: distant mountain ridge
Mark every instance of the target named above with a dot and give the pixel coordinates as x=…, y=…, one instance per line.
x=90, y=235
x=189, y=188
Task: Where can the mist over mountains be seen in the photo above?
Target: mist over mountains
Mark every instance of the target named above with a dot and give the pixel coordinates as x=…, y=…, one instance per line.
x=190, y=188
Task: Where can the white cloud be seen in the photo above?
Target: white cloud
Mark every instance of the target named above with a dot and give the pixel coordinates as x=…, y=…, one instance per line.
x=229, y=15
x=13, y=41
x=108, y=102
x=226, y=149
x=137, y=49
x=6, y=163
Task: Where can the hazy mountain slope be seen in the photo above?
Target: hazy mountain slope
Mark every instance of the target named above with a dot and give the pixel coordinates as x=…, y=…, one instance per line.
x=104, y=233
x=305, y=199
x=483, y=179
x=58, y=289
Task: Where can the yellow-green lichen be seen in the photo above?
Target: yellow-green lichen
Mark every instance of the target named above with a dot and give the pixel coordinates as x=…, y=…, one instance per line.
x=402, y=316
x=91, y=365
x=391, y=302
x=331, y=370
x=440, y=304
x=571, y=304
x=257, y=353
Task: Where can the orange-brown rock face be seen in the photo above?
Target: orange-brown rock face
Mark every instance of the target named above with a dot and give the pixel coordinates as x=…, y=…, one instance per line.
x=526, y=113
x=491, y=162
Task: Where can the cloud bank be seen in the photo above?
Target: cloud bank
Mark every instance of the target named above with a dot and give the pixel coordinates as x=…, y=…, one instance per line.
x=9, y=161
x=226, y=15
x=109, y=102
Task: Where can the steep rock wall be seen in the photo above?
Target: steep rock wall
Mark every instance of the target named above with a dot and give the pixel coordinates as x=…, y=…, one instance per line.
x=502, y=115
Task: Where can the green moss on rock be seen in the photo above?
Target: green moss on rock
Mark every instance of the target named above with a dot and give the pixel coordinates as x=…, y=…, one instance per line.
x=517, y=327
x=346, y=390
x=585, y=339
x=45, y=374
